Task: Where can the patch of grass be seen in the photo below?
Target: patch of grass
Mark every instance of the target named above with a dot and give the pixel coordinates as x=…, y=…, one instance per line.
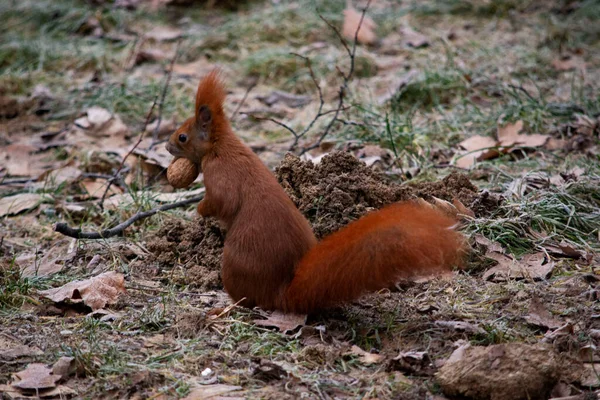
x=496, y=8
x=260, y=342
x=570, y=213
x=291, y=23
x=432, y=89
x=13, y=287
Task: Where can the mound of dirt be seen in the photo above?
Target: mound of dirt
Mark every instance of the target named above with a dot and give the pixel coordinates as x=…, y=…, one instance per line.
x=197, y=245
x=330, y=194
x=341, y=189
x=501, y=372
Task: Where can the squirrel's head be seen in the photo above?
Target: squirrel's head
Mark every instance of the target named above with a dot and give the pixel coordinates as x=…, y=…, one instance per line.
x=193, y=138
x=197, y=135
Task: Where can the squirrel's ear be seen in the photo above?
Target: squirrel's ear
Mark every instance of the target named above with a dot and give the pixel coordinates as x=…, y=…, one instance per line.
x=203, y=118
x=204, y=115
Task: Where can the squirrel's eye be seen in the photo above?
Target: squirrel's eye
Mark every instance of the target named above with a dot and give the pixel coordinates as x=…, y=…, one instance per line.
x=183, y=138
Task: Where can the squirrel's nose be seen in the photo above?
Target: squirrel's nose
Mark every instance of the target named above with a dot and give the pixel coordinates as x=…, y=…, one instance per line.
x=171, y=148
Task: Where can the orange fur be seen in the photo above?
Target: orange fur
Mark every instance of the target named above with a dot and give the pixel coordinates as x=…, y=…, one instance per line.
x=271, y=257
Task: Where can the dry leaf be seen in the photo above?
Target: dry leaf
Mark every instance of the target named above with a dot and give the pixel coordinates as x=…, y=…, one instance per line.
x=462, y=209
x=478, y=148
x=11, y=348
x=96, y=188
x=289, y=99
x=568, y=63
x=531, y=266
x=19, y=160
x=445, y=206
x=209, y=391
x=540, y=316
x=509, y=136
x=60, y=175
x=413, y=38
x=163, y=33
x=98, y=116
x=95, y=292
x=17, y=203
x=167, y=127
x=565, y=330
x=366, y=34
x=460, y=326
x=195, y=69
x=64, y=367
x=488, y=244
x=589, y=375
x=412, y=361
x=366, y=357
x=281, y=321
x=35, y=377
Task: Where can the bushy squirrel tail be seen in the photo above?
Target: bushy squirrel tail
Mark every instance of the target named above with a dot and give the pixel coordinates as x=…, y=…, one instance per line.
x=402, y=240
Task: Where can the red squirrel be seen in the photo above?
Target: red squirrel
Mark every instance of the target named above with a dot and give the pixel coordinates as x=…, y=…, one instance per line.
x=271, y=257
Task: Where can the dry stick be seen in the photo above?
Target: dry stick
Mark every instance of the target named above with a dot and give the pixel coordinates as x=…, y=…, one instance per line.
x=146, y=121
x=118, y=171
x=252, y=86
x=164, y=94
x=346, y=77
x=341, y=94
x=66, y=230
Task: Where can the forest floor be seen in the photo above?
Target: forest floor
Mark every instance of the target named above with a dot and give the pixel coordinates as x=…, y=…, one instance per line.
x=493, y=106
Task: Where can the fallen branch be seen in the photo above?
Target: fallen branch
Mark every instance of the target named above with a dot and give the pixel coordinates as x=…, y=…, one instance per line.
x=66, y=230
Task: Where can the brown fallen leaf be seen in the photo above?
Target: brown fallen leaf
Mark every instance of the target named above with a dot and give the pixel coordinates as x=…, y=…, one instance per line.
x=163, y=33
x=283, y=322
x=11, y=348
x=35, y=377
x=413, y=38
x=167, y=126
x=61, y=175
x=565, y=330
x=478, y=148
x=490, y=246
x=413, y=361
x=209, y=391
x=195, y=69
x=11, y=205
x=540, y=316
x=366, y=33
x=95, y=292
x=366, y=357
x=460, y=326
x=96, y=188
x=64, y=367
x=17, y=159
x=509, y=136
x=50, y=263
x=462, y=209
x=568, y=63
x=531, y=266
x=564, y=249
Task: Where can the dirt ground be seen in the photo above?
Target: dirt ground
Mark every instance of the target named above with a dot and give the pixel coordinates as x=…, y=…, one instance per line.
x=487, y=109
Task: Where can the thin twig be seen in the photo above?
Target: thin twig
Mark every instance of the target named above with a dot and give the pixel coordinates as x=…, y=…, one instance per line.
x=164, y=93
x=341, y=92
x=292, y=131
x=66, y=230
x=252, y=86
x=346, y=77
x=118, y=171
